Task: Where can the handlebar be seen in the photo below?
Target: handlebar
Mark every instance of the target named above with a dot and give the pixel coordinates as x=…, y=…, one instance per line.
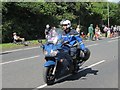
x=66, y=43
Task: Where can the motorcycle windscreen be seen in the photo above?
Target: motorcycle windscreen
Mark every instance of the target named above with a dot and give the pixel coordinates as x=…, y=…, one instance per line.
x=49, y=63
x=49, y=47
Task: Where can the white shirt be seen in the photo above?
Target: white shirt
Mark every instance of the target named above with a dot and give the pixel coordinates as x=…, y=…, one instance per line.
x=15, y=37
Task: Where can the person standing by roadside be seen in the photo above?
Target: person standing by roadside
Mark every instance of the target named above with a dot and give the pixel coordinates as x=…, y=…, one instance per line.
x=118, y=28
x=90, y=31
x=115, y=30
x=105, y=30
x=97, y=32
x=78, y=29
x=108, y=32
x=111, y=32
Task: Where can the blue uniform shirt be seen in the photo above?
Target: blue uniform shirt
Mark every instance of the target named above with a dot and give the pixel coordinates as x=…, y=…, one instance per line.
x=72, y=37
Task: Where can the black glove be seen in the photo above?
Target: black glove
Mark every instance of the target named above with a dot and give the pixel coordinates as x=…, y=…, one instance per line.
x=85, y=51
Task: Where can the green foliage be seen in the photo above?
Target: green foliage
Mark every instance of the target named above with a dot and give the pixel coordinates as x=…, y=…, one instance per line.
x=114, y=14
x=28, y=19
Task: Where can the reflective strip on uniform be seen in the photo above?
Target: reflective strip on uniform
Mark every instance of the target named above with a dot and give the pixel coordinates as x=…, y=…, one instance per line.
x=69, y=35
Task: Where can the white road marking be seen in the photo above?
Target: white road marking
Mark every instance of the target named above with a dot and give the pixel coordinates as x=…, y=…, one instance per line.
x=12, y=61
x=91, y=45
x=112, y=41
x=92, y=65
x=42, y=86
x=116, y=37
x=20, y=49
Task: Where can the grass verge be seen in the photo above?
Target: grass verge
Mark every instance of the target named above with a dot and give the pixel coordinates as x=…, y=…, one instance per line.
x=10, y=46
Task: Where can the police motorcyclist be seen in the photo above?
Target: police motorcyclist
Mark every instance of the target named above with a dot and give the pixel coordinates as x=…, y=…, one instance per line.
x=71, y=36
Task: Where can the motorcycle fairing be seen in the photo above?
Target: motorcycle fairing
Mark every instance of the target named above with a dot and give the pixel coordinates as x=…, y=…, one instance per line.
x=49, y=63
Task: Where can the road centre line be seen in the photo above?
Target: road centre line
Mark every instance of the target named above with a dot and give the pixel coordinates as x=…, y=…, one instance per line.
x=12, y=61
x=91, y=45
x=116, y=37
x=93, y=65
x=112, y=40
x=19, y=49
x=42, y=86
x=83, y=68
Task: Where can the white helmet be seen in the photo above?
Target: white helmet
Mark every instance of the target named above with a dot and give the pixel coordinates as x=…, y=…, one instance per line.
x=66, y=22
x=47, y=26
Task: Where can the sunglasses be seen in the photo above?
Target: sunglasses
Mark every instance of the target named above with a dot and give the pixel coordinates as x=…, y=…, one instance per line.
x=64, y=25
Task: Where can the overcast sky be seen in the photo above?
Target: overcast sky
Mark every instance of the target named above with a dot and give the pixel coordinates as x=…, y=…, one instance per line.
x=114, y=0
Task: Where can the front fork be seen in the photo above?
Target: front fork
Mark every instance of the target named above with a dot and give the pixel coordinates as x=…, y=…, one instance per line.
x=54, y=69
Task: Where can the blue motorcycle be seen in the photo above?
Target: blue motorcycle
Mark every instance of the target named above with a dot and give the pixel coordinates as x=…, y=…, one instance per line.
x=59, y=59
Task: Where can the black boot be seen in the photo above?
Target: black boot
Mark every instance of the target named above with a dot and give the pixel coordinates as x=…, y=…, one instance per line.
x=76, y=67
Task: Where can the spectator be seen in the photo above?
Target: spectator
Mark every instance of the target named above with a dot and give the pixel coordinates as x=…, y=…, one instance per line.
x=97, y=32
x=118, y=28
x=105, y=30
x=111, y=31
x=83, y=35
x=115, y=30
x=90, y=31
x=108, y=32
x=88, y=35
x=17, y=38
x=78, y=29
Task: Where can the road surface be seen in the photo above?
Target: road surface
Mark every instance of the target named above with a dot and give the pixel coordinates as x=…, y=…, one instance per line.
x=23, y=68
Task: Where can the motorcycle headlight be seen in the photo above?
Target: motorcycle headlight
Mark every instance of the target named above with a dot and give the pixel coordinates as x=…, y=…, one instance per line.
x=53, y=53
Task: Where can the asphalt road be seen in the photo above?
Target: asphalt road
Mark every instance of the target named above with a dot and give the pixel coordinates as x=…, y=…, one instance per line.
x=23, y=68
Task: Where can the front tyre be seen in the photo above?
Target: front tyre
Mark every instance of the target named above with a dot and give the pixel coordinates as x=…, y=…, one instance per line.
x=47, y=75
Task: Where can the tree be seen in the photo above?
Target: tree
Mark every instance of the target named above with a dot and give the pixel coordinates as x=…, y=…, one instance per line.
x=28, y=19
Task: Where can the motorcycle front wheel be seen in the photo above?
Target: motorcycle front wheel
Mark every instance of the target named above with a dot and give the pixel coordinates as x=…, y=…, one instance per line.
x=47, y=75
